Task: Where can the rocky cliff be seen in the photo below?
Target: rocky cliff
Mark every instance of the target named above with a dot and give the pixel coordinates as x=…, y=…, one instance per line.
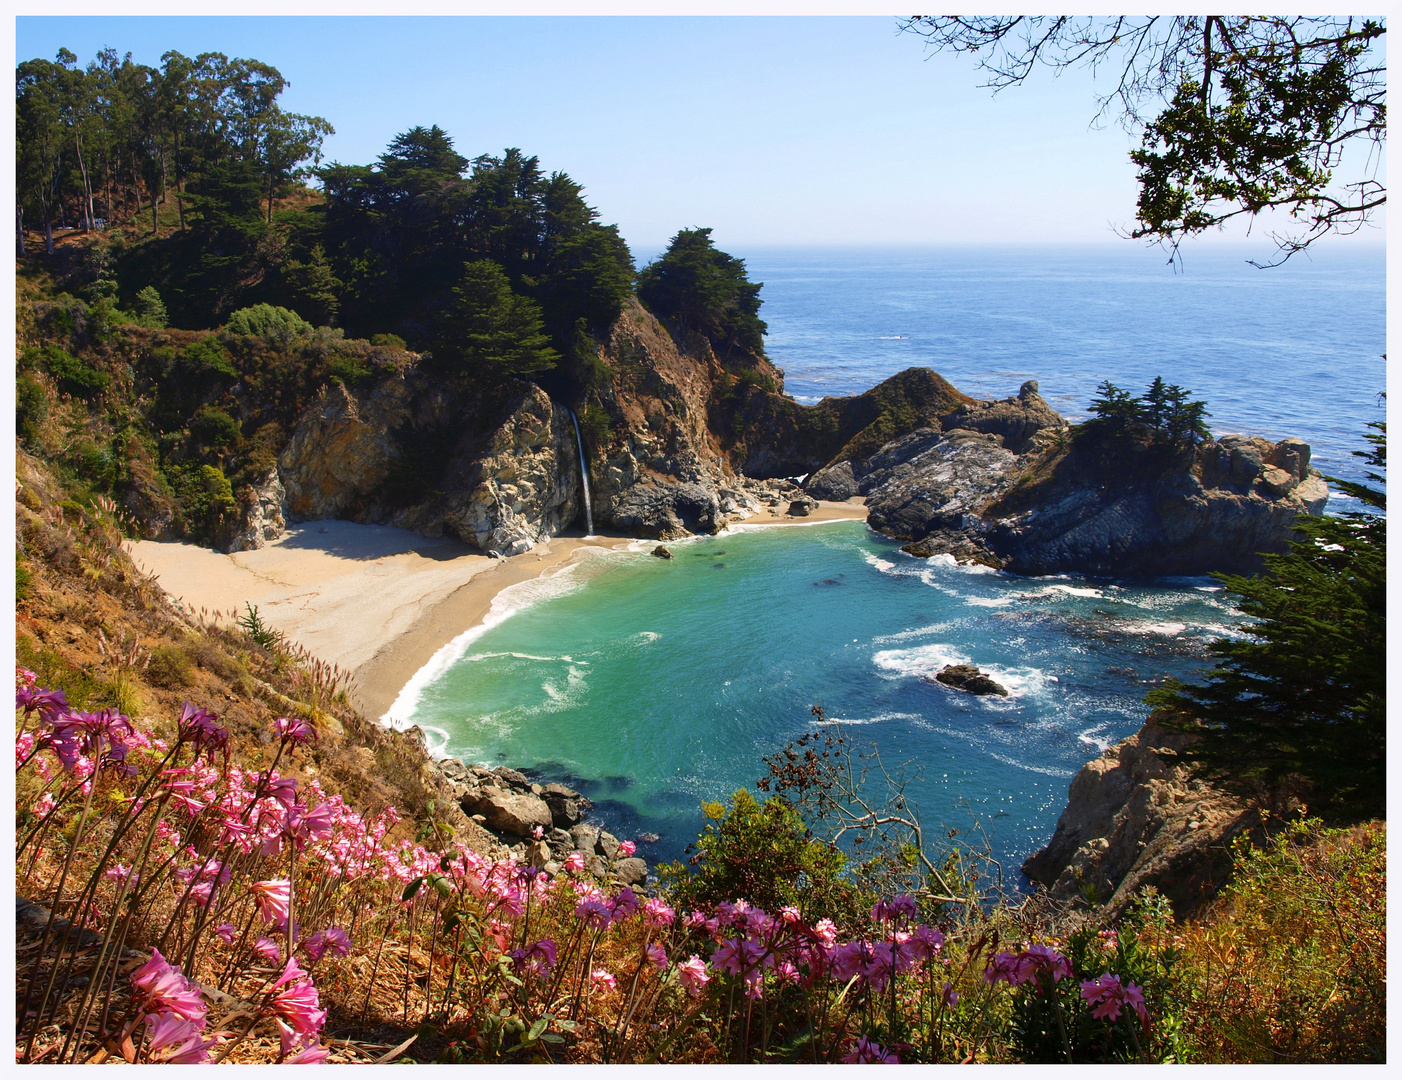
x=1135, y=818
x=678, y=441
x=1012, y=485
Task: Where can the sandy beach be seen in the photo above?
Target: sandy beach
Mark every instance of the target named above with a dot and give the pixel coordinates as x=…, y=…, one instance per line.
x=375, y=600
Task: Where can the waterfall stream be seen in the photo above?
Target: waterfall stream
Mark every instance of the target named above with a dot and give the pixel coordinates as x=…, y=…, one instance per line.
x=584, y=478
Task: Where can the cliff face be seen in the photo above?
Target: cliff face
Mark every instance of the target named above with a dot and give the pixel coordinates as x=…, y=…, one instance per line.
x=1010, y=484
x=497, y=472
x=1134, y=818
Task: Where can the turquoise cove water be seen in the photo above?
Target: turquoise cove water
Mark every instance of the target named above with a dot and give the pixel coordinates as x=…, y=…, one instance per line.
x=655, y=685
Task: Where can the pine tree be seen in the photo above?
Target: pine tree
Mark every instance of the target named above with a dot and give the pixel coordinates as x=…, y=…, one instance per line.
x=1303, y=697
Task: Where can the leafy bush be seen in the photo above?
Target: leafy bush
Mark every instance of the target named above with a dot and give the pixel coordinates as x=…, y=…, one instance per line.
x=149, y=309
x=170, y=667
x=269, y=322
x=388, y=341
x=31, y=408
x=206, y=357
x=72, y=375
x=212, y=426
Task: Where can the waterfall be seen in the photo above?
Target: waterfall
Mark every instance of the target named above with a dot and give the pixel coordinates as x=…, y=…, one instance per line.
x=584, y=478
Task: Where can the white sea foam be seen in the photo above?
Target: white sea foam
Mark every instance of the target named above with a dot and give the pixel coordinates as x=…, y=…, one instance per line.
x=1095, y=737
x=883, y=565
x=473, y=658
x=505, y=604
x=989, y=601
x=878, y=719
x=920, y=661
x=644, y=637
x=906, y=635
x=1044, y=770
x=1163, y=629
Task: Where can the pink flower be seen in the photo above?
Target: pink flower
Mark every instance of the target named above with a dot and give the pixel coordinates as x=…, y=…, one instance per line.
x=949, y=998
x=538, y=832
x=25, y=677
x=1109, y=997
x=595, y=911
x=539, y=957
x=623, y=905
x=600, y=977
x=294, y=731
x=274, y=900
x=267, y=948
x=789, y=914
x=298, y=1004
x=894, y=910
x=826, y=931
x=926, y=942
x=175, y=1040
x=626, y=848
x=692, y=975
x=656, y=955
x=657, y=914
x=574, y=862
x=162, y=988
x=312, y=1055
x=867, y=1052
x=42, y=805
x=226, y=932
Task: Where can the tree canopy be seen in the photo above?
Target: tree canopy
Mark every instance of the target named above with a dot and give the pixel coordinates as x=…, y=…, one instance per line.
x=1164, y=414
x=1303, y=696
x=1237, y=115
x=705, y=290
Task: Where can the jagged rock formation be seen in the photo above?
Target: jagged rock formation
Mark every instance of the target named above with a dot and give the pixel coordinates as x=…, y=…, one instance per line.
x=1134, y=818
x=511, y=806
x=1010, y=484
x=261, y=515
x=499, y=477
x=970, y=679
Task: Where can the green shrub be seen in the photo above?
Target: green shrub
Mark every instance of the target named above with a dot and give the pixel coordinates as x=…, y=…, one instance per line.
x=212, y=426
x=388, y=341
x=31, y=408
x=207, y=357
x=347, y=370
x=24, y=577
x=267, y=321
x=149, y=309
x=761, y=852
x=170, y=667
x=72, y=375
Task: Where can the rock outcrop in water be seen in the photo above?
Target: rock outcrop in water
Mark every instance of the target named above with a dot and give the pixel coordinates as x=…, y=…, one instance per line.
x=1135, y=818
x=1010, y=484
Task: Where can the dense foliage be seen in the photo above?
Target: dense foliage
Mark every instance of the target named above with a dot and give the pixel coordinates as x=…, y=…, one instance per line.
x=1162, y=415
x=704, y=290
x=1253, y=113
x=1303, y=697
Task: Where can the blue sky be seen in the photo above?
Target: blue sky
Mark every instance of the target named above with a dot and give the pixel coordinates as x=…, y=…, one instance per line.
x=773, y=131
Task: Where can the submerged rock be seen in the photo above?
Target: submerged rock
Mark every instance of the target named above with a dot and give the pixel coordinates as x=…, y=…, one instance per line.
x=661, y=552
x=970, y=679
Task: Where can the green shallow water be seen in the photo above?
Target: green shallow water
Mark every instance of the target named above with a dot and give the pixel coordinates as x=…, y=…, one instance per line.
x=653, y=685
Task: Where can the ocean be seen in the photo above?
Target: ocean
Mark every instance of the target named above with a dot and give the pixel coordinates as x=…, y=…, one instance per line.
x=654, y=686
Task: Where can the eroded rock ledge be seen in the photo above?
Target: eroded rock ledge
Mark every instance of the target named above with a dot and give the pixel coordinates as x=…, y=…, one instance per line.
x=510, y=807
x=1134, y=818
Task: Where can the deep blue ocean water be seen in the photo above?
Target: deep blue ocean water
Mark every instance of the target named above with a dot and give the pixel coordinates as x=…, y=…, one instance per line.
x=656, y=685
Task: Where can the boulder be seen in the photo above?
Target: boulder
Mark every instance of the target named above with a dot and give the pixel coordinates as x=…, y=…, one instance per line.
x=970, y=679
x=262, y=519
x=631, y=871
x=585, y=837
x=836, y=483
x=607, y=845
x=660, y=552
x=802, y=506
x=510, y=812
x=567, y=806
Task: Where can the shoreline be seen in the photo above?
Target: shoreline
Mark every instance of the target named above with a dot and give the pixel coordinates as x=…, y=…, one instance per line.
x=381, y=602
